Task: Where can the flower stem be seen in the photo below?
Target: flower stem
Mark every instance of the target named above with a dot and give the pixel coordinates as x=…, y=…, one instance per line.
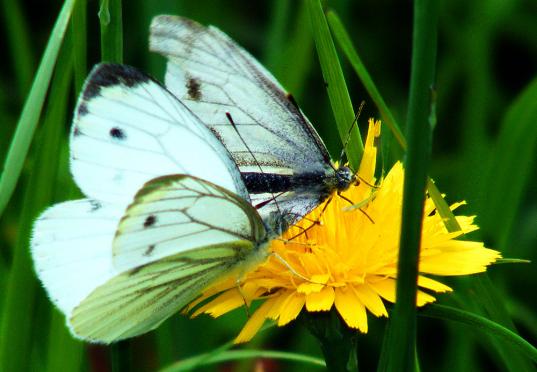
x=338, y=342
x=401, y=341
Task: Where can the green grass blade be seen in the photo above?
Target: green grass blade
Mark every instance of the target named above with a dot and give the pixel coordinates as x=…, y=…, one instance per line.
x=32, y=108
x=442, y=207
x=65, y=353
x=80, y=42
x=20, y=48
x=17, y=327
x=336, y=87
x=481, y=324
x=235, y=355
x=276, y=35
x=344, y=41
x=402, y=333
x=296, y=47
x=494, y=304
x=511, y=168
x=111, y=20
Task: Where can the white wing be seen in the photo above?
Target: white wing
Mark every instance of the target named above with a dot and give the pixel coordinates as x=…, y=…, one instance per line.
x=215, y=77
x=72, y=249
x=197, y=234
x=173, y=214
x=129, y=129
x=138, y=300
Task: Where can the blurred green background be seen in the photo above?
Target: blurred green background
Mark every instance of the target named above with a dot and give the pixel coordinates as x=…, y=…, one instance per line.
x=484, y=152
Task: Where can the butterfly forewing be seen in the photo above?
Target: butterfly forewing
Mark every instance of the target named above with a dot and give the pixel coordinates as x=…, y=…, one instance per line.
x=172, y=214
x=219, y=81
x=129, y=129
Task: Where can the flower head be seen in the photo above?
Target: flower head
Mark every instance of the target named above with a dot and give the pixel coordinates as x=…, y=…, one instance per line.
x=345, y=256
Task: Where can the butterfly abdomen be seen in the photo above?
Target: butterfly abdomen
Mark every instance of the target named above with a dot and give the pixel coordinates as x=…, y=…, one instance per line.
x=260, y=183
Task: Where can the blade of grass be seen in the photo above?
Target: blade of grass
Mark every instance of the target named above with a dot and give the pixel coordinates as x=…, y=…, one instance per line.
x=297, y=47
x=493, y=303
x=198, y=360
x=336, y=87
x=32, y=108
x=17, y=325
x=111, y=20
x=481, y=324
x=276, y=35
x=402, y=332
x=80, y=42
x=64, y=352
x=233, y=355
x=514, y=154
x=18, y=39
x=342, y=38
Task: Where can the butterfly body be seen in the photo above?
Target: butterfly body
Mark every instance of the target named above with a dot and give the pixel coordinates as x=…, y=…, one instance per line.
x=315, y=183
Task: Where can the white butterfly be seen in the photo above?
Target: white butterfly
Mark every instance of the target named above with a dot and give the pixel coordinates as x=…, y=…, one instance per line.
x=149, y=238
x=283, y=161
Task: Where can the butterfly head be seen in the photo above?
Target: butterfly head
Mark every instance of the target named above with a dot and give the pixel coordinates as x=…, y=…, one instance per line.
x=344, y=178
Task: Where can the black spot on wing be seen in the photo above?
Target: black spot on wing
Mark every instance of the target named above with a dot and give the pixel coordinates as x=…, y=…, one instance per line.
x=149, y=250
x=95, y=205
x=110, y=74
x=82, y=109
x=150, y=221
x=76, y=131
x=117, y=133
x=193, y=88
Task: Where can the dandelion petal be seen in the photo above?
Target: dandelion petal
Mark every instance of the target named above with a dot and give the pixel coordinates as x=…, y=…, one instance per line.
x=320, y=301
x=351, y=309
x=255, y=322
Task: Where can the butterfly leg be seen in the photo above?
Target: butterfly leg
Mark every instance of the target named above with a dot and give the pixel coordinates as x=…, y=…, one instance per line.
x=293, y=271
x=353, y=206
x=313, y=223
x=241, y=292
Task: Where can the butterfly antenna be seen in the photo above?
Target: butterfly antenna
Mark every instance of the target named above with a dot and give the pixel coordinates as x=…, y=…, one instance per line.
x=348, y=136
x=230, y=119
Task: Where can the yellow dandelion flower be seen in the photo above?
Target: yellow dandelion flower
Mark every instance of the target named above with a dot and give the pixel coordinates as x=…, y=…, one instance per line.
x=348, y=259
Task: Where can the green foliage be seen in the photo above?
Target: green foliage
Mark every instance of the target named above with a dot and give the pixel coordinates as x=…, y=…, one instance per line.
x=484, y=151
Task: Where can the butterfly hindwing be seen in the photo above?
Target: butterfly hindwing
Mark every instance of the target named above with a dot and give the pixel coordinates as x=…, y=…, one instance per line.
x=129, y=129
x=71, y=249
x=220, y=82
x=138, y=300
x=177, y=213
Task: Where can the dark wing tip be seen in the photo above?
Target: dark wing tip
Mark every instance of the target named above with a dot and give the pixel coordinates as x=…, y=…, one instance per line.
x=110, y=74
